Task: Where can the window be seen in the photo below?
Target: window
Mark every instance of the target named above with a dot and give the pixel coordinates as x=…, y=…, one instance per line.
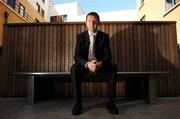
x=53, y=19
x=21, y=10
x=141, y=1
x=43, y=1
x=11, y=3
x=169, y=4
x=64, y=17
x=38, y=7
x=42, y=12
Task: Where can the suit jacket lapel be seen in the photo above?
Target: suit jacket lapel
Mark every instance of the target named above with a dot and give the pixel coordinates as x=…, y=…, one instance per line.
x=97, y=40
x=87, y=40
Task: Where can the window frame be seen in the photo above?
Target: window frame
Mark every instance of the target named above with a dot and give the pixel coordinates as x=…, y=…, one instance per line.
x=38, y=7
x=64, y=17
x=53, y=19
x=21, y=10
x=169, y=6
x=141, y=2
x=43, y=1
x=42, y=12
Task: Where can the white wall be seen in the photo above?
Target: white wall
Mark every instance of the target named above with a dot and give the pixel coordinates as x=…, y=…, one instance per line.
x=123, y=15
x=52, y=11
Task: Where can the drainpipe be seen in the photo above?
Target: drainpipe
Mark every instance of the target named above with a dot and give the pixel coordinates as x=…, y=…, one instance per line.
x=6, y=16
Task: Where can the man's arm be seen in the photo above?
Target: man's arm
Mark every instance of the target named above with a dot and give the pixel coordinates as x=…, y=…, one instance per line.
x=106, y=51
x=78, y=56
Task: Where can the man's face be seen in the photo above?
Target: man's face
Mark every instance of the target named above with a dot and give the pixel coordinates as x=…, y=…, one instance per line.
x=92, y=23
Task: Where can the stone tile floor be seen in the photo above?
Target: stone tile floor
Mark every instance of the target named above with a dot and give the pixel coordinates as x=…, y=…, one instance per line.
x=93, y=108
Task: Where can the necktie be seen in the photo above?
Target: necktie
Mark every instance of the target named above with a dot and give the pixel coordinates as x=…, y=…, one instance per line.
x=91, y=55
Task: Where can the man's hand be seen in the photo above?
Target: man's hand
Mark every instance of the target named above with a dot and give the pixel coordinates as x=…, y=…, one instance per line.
x=98, y=65
x=94, y=66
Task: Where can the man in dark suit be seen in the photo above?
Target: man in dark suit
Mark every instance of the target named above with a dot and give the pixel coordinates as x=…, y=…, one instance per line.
x=93, y=55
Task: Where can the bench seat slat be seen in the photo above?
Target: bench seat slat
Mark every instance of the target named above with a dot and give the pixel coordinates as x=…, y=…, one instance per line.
x=68, y=73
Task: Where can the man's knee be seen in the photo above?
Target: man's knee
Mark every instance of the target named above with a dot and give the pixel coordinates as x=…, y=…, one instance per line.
x=74, y=67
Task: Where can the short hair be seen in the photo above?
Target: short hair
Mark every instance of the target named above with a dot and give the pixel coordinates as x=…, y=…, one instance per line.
x=93, y=14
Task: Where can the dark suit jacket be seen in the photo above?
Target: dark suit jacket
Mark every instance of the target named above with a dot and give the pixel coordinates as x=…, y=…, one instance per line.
x=102, y=48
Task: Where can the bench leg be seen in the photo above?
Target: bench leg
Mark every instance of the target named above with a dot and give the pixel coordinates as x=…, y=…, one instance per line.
x=30, y=90
x=151, y=90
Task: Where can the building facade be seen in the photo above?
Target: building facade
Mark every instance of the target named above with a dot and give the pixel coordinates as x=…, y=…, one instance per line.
x=72, y=12
x=42, y=6
x=17, y=11
x=69, y=12
x=160, y=10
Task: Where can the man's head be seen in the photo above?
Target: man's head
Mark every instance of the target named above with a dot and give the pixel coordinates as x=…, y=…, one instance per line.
x=92, y=21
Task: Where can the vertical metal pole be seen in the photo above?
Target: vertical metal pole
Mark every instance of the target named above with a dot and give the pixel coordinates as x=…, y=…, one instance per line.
x=152, y=90
x=30, y=90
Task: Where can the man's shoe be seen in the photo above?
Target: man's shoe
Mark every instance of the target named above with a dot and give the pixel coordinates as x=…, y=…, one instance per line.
x=77, y=109
x=112, y=108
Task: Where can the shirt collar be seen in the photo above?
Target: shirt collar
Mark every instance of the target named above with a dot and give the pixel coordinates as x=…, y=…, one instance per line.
x=90, y=33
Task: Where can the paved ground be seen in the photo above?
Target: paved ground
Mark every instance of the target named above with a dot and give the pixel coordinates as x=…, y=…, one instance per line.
x=94, y=108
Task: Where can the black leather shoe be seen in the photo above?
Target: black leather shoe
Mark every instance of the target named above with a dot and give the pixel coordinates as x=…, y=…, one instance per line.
x=112, y=108
x=77, y=109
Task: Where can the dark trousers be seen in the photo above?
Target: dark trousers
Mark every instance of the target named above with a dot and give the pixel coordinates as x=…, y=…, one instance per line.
x=110, y=71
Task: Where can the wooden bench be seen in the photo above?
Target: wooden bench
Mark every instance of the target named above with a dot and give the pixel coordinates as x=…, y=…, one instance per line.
x=148, y=80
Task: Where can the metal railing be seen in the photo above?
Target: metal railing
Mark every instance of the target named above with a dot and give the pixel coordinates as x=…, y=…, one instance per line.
x=19, y=10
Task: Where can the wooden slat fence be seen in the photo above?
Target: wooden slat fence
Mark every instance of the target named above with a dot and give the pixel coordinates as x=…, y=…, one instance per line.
x=136, y=46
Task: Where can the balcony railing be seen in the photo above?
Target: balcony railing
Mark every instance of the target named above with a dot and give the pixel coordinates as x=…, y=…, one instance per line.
x=18, y=8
